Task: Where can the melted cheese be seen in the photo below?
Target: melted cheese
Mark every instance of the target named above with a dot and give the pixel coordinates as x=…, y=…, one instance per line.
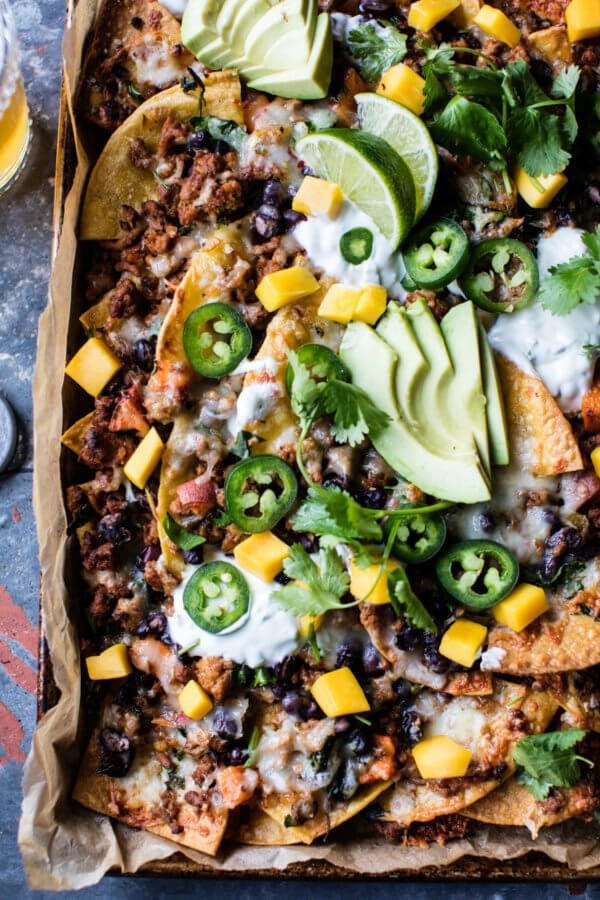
x=459, y=719
x=154, y=64
x=282, y=756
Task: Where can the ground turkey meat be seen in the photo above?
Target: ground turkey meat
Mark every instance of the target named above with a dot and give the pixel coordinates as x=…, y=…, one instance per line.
x=214, y=675
x=211, y=188
x=421, y=834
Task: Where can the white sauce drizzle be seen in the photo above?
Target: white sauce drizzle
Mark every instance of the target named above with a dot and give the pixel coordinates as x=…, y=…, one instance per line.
x=320, y=237
x=175, y=7
x=552, y=346
x=267, y=634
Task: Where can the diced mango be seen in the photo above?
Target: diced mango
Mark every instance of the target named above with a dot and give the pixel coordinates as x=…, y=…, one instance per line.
x=262, y=554
x=339, y=303
x=371, y=305
x=286, y=286
x=362, y=581
x=595, y=458
x=441, y=757
x=144, y=459
x=338, y=693
x=111, y=663
x=194, y=701
x=495, y=23
x=93, y=366
x=465, y=14
x=305, y=623
x=525, y=604
x=462, y=642
x=315, y=195
x=425, y=14
x=527, y=188
x=583, y=20
x=401, y=84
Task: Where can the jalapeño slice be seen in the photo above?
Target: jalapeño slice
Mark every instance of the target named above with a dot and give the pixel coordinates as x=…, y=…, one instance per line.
x=216, y=596
x=437, y=254
x=477, y=573
x=356, y=245
x=259, y=491
x=216, y=339
x=322, y=363
x=418, y=538
x=502, y=275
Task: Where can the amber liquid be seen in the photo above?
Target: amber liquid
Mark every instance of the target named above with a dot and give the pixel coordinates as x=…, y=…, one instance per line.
x=14, y=134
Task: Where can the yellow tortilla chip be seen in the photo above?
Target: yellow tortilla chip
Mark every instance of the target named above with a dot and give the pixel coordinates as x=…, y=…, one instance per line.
x=121, y=799
x=223, y=96
x=261, y=830
x=114, y=181
x=94, y=318
x=541, y=438
x=489, y=718
x=74, y=435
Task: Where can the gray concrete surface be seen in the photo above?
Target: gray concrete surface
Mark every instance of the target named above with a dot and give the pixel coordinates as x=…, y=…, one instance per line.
x=25, y=231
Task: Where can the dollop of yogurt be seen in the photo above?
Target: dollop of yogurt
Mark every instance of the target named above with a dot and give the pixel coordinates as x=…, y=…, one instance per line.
x=320, y=237
x=266, y=635
x=556, y=348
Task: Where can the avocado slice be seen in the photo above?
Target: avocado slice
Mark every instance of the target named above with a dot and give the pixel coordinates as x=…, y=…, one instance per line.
x=250, y=13
x=433, y=402
x=198, y=25
x=307, y=82
x=373, y=366
x=496, y=417
x=283, y=37
x=412, y=366
x=460, y=329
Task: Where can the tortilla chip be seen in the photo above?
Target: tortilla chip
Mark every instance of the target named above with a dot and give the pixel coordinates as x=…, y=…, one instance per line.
x=421, y=800
x=278, y=809
x=567, y=641
x=74, y=435
x=223, y=96
x=260, y=830
x=540, y=436
x=114, y=181
x=203, y=830
x=381, y=625
x=176, y=468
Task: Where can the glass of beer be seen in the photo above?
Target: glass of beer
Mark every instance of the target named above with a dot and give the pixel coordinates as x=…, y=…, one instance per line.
x=14, y=114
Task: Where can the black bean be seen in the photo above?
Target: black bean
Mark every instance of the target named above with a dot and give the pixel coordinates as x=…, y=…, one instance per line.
x=224, y=724
x=221, y=147
x=292, y=702
x=154, y=623
x=291, y=218
x=338, y=481
x=408, y=638
x=403, y=690
x=360, y=741
x=376, y=9
x=371, y=660
x=312, y=711
x=373, y=498
x=200, y=140
x=112, y=528
x=271, y=192
x=484, y=521
x=144, y=351
x=267, y=221
x=194, y=556
x=412, y=730
x=116, y=753
x=310, y=544
x=593, y=192
x=286, y=671
x=282, y=578
x=437, y=663
x=149, y=553
x=349, y=654
x=235, y=756
x=342, y=725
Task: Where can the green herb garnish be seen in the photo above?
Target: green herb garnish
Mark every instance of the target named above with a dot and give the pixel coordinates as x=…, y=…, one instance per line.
x=376, y=49
x=574, y=282
x=549, y=760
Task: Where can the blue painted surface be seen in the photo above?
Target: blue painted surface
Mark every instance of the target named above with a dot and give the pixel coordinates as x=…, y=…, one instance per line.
x=25, y=234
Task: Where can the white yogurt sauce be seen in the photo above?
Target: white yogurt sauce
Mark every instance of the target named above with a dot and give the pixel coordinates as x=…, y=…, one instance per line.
x=552, y=346
x=320, y=237
x=266, y=635
x=175, y=7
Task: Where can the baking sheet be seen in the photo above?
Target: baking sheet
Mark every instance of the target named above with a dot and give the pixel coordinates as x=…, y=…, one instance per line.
x=66, y=847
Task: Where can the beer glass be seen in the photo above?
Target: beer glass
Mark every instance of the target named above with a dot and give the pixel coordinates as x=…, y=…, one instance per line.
x=14, y=114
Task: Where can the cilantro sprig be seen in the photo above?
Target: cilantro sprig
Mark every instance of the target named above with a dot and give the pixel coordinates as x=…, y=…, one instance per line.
x=316, y=588
x=574, y=282
x=406, y=604
x=490, y=114
x=376, y=49
x=549, y=760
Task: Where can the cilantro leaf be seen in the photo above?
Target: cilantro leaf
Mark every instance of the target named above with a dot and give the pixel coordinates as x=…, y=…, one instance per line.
x=467, y=128
x=333, y=512
x=376, y=49
x=306, y=394
x=536, y=138
x=354, y=413
x=221, y=130
x=180, y=536
x=317, y=588
x=405, y=602
x=549, y=760
x=565, y=83
x=519, y=85
x=574, y=282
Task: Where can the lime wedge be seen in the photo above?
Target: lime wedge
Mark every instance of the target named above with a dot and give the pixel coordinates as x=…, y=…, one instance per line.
x=369, y=173
x=409, y=137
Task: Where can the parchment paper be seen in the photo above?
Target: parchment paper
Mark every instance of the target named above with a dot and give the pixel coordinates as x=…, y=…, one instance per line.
x=63, y=845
